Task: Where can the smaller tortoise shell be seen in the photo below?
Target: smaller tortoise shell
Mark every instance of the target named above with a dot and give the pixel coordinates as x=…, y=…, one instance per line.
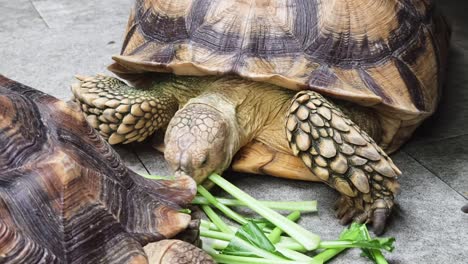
x=66, y=196
x=385, y=54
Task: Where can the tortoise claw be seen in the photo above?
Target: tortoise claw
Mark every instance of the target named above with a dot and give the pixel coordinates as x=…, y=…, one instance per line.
x=348, y=217
x=379, y=220
x=376, y=213
x=361, y=218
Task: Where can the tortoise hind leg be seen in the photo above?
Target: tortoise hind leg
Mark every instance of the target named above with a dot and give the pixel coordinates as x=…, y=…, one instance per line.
x=122, y=114
x=344, y=157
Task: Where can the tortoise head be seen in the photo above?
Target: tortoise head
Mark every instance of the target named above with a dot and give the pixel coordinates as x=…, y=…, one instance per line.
x=199, y=141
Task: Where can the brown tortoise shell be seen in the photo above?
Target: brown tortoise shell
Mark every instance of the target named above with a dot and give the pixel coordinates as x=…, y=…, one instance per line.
x=385, y=54
x=67, y=197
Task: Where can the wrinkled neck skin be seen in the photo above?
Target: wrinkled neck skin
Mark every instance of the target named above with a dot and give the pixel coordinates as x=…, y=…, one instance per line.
x=182, y=88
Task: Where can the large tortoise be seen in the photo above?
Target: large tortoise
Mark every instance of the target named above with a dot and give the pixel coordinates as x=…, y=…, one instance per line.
x=67, y=197
x=311, y=90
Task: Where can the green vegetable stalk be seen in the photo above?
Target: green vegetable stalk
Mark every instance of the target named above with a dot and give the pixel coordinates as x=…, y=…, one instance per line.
x=275, y=235
x=226, y=210
x=301, y=206
x=260, y=241
x=309, y=240
x=216, y=219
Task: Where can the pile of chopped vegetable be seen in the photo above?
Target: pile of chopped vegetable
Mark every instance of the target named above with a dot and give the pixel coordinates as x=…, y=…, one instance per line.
x=273, y=238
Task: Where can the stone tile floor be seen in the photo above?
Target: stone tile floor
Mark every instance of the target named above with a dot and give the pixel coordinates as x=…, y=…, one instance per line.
x=43, y=43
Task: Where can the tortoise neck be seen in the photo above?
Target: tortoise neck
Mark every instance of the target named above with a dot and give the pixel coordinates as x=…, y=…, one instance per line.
x=184, y=87
x=267, y=107
x=254, y=110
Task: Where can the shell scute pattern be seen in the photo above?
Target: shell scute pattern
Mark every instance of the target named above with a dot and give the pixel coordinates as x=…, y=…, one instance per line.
x=65, y=194
x=385, y=54
x=260, y=39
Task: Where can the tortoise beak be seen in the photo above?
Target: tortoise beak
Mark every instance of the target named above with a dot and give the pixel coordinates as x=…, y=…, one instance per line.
x=180, y=173
x=199, y=178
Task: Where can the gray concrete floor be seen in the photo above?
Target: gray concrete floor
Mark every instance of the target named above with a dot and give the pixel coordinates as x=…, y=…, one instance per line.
x=43, y=43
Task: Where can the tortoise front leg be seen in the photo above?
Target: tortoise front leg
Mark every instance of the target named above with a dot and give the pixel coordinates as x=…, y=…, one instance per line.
x=344, y=157
x=123, y=114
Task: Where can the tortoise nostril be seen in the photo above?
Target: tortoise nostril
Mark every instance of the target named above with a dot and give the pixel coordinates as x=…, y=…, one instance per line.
x=185, y=163
x=186, y=169
x=204, y=161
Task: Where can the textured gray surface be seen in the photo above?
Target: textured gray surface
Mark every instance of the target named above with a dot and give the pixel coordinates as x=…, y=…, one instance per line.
x=20, y=14
x=45, y=42
x=446, y=158
x=64, y=14
x=43, y=54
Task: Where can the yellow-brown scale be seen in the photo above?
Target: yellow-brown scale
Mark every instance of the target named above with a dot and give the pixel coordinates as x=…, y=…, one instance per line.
x=343, y=156
x=122, y=114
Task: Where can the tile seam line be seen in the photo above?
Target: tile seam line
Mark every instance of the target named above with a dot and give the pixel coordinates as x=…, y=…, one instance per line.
x=140, y=160
x=435, y=174
x=39, y=13
x=433, y=140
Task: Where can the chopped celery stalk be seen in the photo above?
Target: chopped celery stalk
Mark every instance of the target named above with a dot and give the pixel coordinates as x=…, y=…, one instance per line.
x=157, y=177
x=250, y=241
x=302, y=206
x=357, y=235
x=328, y=254
x=275, y=235
x=374, y=254
x=209, y=249
x=185, y=211
x=216, y=235
x=213, y=243
x=378, y=243
x=216, y=219
x=207, y=224
x=294, y=255
x=240, y=243
x=309, y=240
x=379, y=257
x=226, y=210
x=219, y=244
x=289, y=243
x=228, y=259
x=285, y=242
x=255, y=243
